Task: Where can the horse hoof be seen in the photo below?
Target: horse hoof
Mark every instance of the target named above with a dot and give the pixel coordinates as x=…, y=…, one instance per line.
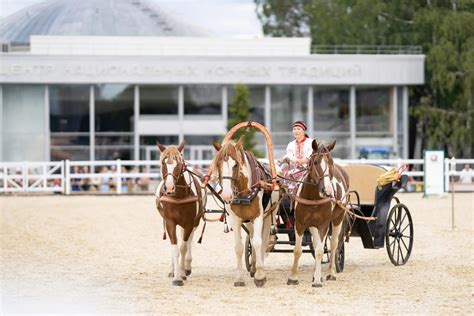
x=187, y=272
x=170, y=275
x=252, y=274
x=317, y=285
x=292, y=282
x=239, y=283
x=177, y=283
x=320, y=280
x=260, y=283
x=331, y=278
x=184, y=277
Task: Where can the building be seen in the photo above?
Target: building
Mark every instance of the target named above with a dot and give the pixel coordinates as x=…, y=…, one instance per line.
x=82, y=81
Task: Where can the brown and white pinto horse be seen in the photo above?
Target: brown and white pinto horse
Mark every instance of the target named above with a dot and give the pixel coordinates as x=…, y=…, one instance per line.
x=248, y=204
x=180, y=201
x=315, y=208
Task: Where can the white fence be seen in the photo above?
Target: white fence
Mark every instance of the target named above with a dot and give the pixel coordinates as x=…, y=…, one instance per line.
x=131, y=177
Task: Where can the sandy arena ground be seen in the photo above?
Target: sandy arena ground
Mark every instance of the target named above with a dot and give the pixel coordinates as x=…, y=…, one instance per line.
x=105, y=255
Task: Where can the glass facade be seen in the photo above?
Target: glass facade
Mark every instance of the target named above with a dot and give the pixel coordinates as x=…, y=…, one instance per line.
x=331, y=118
x=373, y=107
x=159, y=100
x=69, y=119
x=256, y=102
x=203, y=100
x=24, y=125
x=28, y=132
x=374, y=125
x=114, y=111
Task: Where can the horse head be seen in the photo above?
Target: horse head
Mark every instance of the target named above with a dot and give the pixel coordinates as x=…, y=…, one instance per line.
x=228, y=164
x=321, y=167
x=172, y=166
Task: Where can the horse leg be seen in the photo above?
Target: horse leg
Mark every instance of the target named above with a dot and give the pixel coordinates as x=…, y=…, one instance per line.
x=297, y=251
x=177, y=280
x=318, y=256
x=253, y=258
x=334, y=243
x=257, y=246
x=188, y=257
x=238, y=248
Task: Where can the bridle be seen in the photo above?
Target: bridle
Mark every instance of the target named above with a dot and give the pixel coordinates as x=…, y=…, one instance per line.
x=180, y=166
x=327, y=172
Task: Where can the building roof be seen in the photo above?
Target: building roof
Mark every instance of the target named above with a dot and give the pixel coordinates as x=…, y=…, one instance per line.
x=93, y=18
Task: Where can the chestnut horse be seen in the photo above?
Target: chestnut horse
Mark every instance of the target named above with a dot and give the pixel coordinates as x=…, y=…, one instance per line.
x=319, y=202
x=180, y=201
x=240, y=177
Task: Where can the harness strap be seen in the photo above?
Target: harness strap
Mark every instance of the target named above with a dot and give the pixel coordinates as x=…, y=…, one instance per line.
x=169, y=199
x=314, y=202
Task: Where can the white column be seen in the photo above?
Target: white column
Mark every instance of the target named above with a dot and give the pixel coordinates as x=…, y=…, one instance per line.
x=91, y=123
x=405, y=122
x=309, y=119
x=268, y=104
x=225, y=106
x=395, y=120
x=181, y=112
x=352, y=121
x=47, y=129
x=136, y=117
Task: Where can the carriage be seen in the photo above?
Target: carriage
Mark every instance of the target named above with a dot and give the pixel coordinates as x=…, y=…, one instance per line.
x=375, y=215
x=253, y=194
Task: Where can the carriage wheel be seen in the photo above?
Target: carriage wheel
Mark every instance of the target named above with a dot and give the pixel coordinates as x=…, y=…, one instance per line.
x=399, y=234
x=340, y=256
x=248, y=253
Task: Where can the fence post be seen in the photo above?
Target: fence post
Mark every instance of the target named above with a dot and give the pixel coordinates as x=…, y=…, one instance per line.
x=119, y=177
x=25, y=176
x=45, y=176
x=63, y=187
x=446, y=174
x=67, y=179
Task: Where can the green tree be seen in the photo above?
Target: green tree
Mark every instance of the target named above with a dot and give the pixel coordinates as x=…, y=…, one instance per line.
x=239, y=110
x=443, y=107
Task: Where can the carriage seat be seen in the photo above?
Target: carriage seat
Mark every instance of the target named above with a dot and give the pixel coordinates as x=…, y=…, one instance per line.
x=363, y=179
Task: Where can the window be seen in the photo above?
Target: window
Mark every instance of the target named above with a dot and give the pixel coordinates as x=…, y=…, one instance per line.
x=159, y=100
x=202, y=100
x=114, y=121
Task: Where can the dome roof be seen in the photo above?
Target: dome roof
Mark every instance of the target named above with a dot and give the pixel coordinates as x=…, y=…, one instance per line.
x=93, y=17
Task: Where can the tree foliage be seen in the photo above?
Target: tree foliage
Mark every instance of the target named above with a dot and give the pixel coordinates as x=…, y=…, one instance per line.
x=444, y=28
x=239, y=110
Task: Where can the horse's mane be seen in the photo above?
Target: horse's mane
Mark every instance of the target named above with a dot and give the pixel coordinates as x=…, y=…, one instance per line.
x=224, y=152
x=171, y=152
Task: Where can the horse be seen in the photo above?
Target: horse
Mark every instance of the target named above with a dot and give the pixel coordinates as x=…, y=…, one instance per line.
x=240, y=175
x=181, y=201
x=319, y=202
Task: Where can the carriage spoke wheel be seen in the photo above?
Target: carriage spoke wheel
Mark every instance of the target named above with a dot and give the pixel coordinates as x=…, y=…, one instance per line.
x=248, y=253
x=399, y=234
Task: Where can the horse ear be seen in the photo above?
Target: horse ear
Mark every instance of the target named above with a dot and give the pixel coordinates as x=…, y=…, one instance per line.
x=331, y=145
x=240, y=142
x=181, y=146
x=217, y=146
x=315, y=145
x=160, y=147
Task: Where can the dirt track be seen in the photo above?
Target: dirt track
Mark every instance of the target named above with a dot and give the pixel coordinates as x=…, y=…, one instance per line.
x=106, y=255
